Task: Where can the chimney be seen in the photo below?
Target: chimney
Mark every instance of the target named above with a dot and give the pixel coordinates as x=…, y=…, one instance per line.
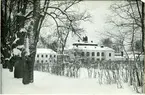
x=85, y=39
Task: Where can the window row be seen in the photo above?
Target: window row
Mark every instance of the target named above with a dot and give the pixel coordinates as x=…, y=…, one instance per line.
x=45, y=55
x=43, y=61
x=93, y=54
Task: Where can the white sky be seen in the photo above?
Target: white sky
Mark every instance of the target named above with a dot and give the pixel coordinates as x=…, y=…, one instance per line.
x=99, y=11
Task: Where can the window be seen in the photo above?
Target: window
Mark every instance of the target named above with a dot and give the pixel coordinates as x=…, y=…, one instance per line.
x=98, y=59
x=37, y=61
x=41, y=55
x=75, y=54
x=102, y=53
x=93, y=53
x=54, y=55
x=82, y=60
x=46, y=55
x=93, y=59
x=46, y=61
x=109, y=54
x=98, y=53
x=102, y=59
x=50, y=56
x=83, y=54
x=38, y=55
x=88, y=54
x=41, y=61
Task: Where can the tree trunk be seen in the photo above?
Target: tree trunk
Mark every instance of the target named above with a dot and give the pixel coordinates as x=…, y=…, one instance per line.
x=18, y=71
x=33, y=39
x=143, y=28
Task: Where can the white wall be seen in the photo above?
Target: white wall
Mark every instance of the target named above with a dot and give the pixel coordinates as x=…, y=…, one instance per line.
x=44, y=58
x=106, y=54
x=0, y=78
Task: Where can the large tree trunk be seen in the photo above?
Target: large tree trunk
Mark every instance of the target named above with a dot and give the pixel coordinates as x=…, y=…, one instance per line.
x=33, y=39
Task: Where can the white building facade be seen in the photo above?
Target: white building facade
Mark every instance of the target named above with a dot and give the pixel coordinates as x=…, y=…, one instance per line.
x=91, y=51
x=44, y=55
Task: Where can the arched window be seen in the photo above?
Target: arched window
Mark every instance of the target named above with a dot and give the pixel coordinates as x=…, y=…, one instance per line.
x=75, y=54
x=98, y=53
x=88, y=54
x=93, y=53
x=83, y=54
x=102, y=54
x=109, y=54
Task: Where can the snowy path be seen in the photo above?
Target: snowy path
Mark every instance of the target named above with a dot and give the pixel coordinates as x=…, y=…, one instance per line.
x=46, y=83
x=0, y=78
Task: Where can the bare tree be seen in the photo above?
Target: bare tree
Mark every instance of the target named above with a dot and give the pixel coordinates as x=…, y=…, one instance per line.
x=129, y=24
x=28, y=16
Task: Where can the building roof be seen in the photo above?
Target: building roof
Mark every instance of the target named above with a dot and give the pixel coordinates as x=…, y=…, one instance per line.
x=86, y=47
x=45, y=50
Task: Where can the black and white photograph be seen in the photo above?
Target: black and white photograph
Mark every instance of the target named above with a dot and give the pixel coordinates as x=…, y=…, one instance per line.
x=72, y=47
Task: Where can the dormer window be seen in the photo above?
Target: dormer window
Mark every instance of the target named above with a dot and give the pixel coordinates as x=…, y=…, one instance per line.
x=102, y=46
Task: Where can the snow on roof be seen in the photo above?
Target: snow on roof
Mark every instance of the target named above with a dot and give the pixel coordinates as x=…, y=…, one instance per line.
x=119, y=58
x=90, y=48
x=45, y=50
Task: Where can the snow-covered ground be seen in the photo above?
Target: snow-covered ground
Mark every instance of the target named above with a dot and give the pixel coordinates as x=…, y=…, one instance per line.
x=45, y=83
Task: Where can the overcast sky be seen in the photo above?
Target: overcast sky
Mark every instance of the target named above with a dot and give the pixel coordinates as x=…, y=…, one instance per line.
x=99, y=10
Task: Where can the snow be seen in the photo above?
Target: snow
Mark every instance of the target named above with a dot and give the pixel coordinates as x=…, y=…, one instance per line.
x=88, y=47
x=17, y=52
x=46, y=83
x=16, y=40
x=23, y=30
x=20, y=46
x=45, y=50
x=0, y=78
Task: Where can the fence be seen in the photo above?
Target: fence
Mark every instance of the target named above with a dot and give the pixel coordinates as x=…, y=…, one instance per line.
x=106, y=72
